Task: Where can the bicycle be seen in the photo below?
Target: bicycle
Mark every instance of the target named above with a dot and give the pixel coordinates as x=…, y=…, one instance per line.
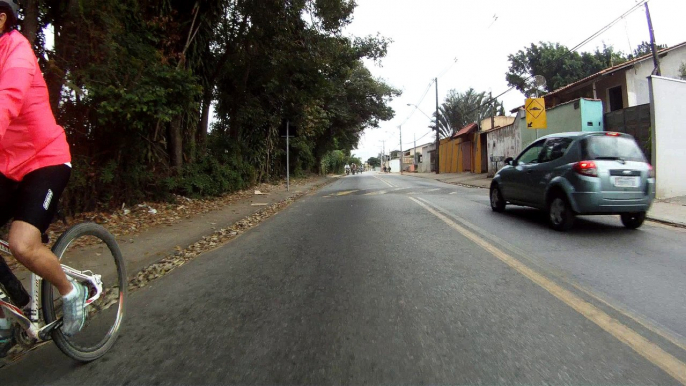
x=37, y=324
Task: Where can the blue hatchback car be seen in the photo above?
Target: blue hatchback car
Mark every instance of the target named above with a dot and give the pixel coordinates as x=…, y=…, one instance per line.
x=583, y=173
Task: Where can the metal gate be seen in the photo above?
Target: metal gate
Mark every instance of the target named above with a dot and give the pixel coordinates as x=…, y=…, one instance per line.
x=466, y=150
x=635, y=121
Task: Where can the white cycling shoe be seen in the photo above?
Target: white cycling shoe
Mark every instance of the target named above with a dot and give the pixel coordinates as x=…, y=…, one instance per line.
x=74, y=309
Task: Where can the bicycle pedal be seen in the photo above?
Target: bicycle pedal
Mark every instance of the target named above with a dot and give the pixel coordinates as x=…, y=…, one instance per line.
x=46, y=332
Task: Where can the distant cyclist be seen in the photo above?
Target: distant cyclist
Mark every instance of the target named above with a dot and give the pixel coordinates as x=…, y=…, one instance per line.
x=35, y=165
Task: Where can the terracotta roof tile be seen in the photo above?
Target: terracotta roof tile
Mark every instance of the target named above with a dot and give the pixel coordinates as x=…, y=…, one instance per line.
x=467, y=129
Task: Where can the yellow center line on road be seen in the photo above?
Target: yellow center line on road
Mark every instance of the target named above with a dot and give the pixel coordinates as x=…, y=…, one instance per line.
x=385, y=182
x=376, y=193
x=624, y=334
x=669, y=335
x=346, y=192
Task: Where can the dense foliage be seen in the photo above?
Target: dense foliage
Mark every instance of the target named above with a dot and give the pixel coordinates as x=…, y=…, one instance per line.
x=133, y=83
x=374, y=162
x=560, y=66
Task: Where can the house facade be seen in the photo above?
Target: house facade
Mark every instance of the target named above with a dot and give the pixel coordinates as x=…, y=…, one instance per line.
x=625, y=93
x=624, y=85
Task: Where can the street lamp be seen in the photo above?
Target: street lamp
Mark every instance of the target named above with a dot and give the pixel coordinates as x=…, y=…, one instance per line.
x=420, y=110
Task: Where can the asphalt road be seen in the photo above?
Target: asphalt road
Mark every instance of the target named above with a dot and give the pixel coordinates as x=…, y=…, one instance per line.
x=380, y=279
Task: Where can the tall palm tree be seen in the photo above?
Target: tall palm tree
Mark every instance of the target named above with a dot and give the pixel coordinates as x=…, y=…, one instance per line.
x=461, y=109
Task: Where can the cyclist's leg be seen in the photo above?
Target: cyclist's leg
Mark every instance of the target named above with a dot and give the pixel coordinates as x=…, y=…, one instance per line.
x=11, y=285
x=38, y=194
x=28, y=249
x=37, y=198
x=8, y=280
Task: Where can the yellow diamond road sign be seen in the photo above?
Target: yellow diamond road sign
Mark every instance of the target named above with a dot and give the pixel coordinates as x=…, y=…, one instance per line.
x=535, y=113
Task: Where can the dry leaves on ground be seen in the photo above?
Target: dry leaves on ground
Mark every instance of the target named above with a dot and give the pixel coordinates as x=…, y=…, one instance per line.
x=128, y=221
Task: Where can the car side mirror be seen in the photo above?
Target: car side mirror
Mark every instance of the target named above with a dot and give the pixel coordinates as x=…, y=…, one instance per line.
x=509, y=161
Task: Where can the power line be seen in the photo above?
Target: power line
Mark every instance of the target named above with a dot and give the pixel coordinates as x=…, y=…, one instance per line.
x=427, y=91
x=593, y=36
x=574, y=49
x=447, y=69
x=608, y=26
x=416, y=104
x=410, y=143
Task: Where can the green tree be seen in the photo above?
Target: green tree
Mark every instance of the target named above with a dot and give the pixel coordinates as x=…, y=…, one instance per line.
x=132, y=82
x=374, y=162
x=557, y=64
x=644, y=49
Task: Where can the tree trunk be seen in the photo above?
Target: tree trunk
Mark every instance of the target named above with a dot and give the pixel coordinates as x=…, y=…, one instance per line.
x=30, y=23
x=204, y=123
x=175, y=144
x=65, y=32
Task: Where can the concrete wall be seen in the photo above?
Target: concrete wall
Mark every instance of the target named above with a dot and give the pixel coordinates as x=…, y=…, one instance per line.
x=563, y=118
x=499, y=121
x=637, y=77
x=395, y=165
x=504, y=142
x=425, y=165
x=568, y=117
x=668, y=98
x=591, y=115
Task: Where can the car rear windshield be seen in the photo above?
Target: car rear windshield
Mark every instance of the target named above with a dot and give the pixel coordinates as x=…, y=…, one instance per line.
x=611, y=147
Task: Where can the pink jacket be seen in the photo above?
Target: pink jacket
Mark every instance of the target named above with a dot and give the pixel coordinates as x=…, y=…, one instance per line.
x=30, y=138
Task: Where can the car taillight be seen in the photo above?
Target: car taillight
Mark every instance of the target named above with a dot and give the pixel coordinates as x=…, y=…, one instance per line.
x=612, y=134
x=651, y=171
x=587, y=168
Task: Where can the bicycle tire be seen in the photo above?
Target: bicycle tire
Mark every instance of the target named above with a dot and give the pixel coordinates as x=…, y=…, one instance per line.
x=78, y=352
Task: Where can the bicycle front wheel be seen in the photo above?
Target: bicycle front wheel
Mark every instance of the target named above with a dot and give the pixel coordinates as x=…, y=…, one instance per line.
x=88, y=247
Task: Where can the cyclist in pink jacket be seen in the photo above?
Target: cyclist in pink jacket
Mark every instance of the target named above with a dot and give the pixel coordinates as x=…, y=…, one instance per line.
x=34, y=169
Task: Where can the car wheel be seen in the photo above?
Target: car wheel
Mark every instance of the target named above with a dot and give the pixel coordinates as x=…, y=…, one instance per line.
x=560, y=214
x=633, y=220
x=497, y=200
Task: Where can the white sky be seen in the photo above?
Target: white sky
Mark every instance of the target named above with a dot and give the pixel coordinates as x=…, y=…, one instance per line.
x=429, y=34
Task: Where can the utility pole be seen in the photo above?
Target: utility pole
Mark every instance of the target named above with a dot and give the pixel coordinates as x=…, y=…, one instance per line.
x=288, y=165
x=656, y=62
x=436, y=163
x=402, y=155
x=383, y=154
x=490, y=98
x=415, y=152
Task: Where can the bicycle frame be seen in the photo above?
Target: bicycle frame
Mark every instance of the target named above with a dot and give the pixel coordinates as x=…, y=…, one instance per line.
x=30, y=324
x=33, y=324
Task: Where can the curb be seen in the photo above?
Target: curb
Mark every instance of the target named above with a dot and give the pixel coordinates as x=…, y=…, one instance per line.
x=464, y=184
x=666, y=222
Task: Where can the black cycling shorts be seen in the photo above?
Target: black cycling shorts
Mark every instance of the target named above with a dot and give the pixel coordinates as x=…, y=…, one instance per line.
x=34, y=198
